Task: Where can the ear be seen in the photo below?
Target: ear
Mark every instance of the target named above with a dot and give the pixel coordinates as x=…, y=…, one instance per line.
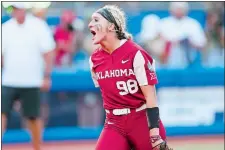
x=111, y=27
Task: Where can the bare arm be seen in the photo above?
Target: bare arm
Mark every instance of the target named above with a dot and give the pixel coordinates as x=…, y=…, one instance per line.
x=149, y=93
x=47, y=46
x=144, y=69
x=49, y=61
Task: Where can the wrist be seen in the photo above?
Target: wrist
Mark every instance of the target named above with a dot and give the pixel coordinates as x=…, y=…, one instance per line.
x=153, y=118
x=154, y=131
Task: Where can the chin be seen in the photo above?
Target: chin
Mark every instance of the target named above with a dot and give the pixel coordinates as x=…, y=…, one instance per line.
x=97, y=41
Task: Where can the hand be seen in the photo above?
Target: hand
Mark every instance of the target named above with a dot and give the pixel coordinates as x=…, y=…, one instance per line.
x=162, y=146
x=157, y=142
x=46, y=84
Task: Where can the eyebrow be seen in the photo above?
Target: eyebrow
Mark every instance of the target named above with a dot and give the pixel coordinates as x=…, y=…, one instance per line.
x=95, y=17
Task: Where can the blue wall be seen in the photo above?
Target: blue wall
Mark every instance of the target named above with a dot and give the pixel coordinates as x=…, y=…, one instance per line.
x=81, y=81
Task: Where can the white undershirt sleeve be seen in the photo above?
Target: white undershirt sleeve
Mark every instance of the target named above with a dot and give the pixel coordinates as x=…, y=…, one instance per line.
x=144, y=69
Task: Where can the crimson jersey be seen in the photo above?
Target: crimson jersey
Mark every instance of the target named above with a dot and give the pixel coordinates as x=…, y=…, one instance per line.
x=121, y=73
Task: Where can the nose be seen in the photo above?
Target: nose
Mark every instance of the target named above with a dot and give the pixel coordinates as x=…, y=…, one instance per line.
x=90, y=25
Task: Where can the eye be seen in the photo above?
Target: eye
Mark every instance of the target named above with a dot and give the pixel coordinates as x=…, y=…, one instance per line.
x=96, y=20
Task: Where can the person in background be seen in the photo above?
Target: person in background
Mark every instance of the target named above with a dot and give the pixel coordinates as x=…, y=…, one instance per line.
x=41, y=12
x=65, y=39
x=149, y=37
x=214, y=54
x=27, y=54
x=222, y=38
x=184, y=35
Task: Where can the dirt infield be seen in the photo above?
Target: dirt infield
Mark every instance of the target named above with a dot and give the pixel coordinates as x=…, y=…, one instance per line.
x=178, y=143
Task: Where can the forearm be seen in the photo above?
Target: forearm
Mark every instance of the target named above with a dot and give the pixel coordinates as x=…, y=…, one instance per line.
x=49, y=61
x=151, y=101
x=153, y=118
x=152, y=106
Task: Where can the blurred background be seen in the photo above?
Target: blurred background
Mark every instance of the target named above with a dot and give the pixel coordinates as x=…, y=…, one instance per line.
x=185, y=39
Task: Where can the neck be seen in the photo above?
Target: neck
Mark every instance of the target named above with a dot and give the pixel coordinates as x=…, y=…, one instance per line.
x=179, y=17
x=20, y=21
x=111, y=45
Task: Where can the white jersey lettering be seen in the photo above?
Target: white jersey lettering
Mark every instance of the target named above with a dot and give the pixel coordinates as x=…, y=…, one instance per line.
x=106, y=74
x=114, y=73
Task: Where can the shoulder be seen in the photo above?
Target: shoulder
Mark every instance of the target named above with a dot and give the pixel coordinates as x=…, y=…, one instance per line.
x=40, y=23
x=192, y=22
x=167, y=20
x=95, y=57
x=96, y=54
x=137, y=49
x=132, y=46
x=139, y=54
x=35, y=19
x=8, y=24
x=142, y=54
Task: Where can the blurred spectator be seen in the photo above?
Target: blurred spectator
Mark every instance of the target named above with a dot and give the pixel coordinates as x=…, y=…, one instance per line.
x=40, y=12
x=27, y=67
x=65, y=39
x=214, y=54
x=79, y=26
x=180, y=35
x=217, y=7
x=149, y=36
x=222, y=38
x=185, y=34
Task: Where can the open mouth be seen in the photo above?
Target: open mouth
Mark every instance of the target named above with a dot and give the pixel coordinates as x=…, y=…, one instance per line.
x=93, y=32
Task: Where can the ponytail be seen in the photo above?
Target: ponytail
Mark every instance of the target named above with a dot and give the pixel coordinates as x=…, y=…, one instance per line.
x=124, y=35
x=128, y=36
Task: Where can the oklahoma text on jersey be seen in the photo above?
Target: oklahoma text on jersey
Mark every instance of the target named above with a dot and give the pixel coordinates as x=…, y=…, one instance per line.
x=114, y=73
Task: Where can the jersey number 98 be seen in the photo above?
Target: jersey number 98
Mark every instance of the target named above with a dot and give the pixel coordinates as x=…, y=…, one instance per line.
x=125, y=88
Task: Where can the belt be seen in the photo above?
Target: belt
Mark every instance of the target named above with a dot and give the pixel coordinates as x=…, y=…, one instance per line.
x=125, y=111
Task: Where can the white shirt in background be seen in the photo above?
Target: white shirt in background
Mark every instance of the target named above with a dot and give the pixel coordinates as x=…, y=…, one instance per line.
x=23, y=47
x=149, y=28
x=175, y=30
